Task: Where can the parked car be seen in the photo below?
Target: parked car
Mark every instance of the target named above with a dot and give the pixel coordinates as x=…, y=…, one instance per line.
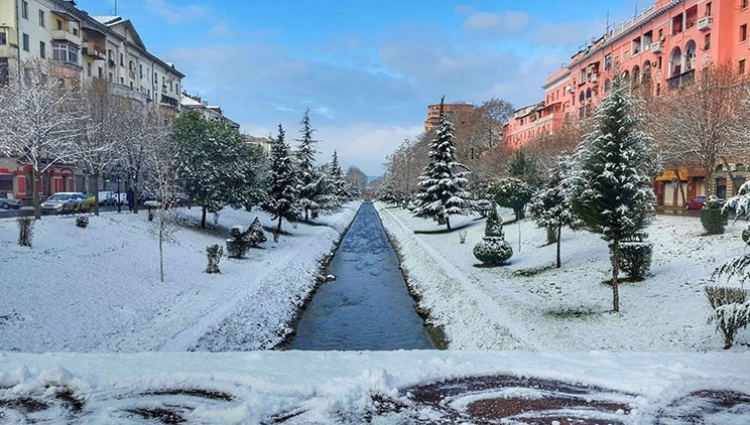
x=63, y=202
x=696, y=203
x=8, y=203
x=109, y=198
x=699, y=201
x=90, y=199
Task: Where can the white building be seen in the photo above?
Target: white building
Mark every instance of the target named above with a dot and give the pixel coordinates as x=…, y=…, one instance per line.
x=211, y=113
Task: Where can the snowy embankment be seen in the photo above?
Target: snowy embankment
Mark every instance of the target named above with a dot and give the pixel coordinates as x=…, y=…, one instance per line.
x=529, y=305
x=98, y=288
x=298, y=387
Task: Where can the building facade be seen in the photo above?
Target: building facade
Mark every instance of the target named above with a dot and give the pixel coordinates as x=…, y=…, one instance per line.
x=80, y=48
x=433, y=112
x=211, y=113
x=660, y=49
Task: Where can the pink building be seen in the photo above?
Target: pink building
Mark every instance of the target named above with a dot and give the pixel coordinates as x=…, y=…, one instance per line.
x=662, y=45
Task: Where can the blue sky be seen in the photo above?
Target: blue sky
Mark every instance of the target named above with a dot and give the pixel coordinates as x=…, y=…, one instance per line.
x=366, y=69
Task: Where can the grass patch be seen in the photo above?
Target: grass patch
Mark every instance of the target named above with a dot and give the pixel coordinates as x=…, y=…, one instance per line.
x=533, y=271
x=571, y=313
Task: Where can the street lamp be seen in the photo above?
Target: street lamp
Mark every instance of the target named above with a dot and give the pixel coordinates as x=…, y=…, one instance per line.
x=117, y=171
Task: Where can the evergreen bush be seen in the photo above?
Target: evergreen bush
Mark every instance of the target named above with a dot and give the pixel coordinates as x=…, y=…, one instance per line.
x=493, y=249
x=214, y=253
x=82, y=221
x=25, y=230
x=713, y=219
x=731, y=310
x=635, y=258
x=242, y=241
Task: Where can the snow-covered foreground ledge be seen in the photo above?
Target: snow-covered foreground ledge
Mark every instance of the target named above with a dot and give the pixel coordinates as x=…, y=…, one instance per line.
x=569, y=308
x=98, y=289
x=335, y=387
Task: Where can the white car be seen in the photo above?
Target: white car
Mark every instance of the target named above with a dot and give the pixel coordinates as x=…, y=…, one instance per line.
x=109, y=198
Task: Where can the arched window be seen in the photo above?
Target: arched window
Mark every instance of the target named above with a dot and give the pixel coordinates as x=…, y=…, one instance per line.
x=582, y=97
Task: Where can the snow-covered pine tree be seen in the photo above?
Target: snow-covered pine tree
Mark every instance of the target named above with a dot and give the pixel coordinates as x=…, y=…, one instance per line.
x=282, y=194
x=308, y=176
x=614, y=195
x=441, y=187
x=551, y=206
x=341, y=188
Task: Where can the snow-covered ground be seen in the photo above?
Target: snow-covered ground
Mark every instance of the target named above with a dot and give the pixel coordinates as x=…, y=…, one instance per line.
x=569, y=308
x=80, y=294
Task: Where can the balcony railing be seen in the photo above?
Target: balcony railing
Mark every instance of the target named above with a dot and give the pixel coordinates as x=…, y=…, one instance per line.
x=685, y=79
x=169, y=101
x=89, y=49
x=62, y=35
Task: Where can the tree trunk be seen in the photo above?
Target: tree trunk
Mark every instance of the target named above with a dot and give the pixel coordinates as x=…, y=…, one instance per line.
x=278, y=227
x=136, y=194
x=203, y=217
x=682, y=188
x=96, y=194
x=161, y=252
x=551, y=234
x=730, y=174
x=307, y=210
x=615, y=275
x=709, y=178
x=35, y=194
x=559, y=235
x=448, y=222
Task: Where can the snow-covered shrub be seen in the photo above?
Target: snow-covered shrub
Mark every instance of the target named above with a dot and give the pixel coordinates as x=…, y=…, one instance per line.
x=25, y=230
x=214, y=253
x=713, y=217
x=493, y=248
x=635, y=258
x=82, y=221
x=242, y=241
x=731, y=310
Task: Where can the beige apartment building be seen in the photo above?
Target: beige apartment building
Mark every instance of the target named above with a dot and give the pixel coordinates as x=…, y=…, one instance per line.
x=80, y=48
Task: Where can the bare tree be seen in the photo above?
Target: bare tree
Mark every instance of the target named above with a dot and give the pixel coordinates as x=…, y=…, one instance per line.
x=104, y=125
x=698, y=124
x=40, y=121
x=162, y=177
x=356, y=179
x=143, y=126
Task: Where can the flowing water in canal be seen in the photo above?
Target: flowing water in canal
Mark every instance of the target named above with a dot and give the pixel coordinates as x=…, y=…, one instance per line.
x=368, y=306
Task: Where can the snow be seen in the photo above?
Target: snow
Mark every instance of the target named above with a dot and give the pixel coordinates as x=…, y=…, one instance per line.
x=82, y=313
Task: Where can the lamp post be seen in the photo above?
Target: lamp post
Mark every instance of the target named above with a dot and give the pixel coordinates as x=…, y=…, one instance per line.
x=118, y=173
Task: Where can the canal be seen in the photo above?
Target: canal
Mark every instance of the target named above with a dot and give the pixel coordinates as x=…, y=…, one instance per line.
x=368, y=306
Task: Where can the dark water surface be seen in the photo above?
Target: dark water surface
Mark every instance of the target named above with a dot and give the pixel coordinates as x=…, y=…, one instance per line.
x=368, y=306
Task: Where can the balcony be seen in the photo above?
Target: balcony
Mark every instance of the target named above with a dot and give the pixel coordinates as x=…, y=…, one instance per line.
x=704, y=23
x=89, y=49
x=680, y=81
x=62, y=35
x=169, y=101
x=657, y=47
x=125, y=91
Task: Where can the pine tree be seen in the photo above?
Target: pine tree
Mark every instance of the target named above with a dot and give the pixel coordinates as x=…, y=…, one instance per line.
x=340, y=187
x=309, y=182
x=615, y=180
x=551, y=206
x=441, y=189
x=282, y=195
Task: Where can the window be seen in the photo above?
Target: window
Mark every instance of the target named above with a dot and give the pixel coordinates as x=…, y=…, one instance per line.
x=41, y=18
x=743, y=3
x=42, y=50
x=140, y=69
x=26, y=42
x=708, y=9
x=608, y=62
x=111, y=78
x=3, y=38
x=63, y=52
x=742, y=66
x=122, y=60
x=59, y=24
x=25, y=9
x=707, y=42
x=743, y=32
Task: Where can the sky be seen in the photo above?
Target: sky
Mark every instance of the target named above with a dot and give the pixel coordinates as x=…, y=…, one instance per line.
x=367, y=70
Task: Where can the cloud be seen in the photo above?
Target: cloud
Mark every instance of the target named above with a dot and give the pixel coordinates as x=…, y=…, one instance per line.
x=221, y=30
x=567, y=33
x=364, y=145
x=506, y=23
x=176, y=14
